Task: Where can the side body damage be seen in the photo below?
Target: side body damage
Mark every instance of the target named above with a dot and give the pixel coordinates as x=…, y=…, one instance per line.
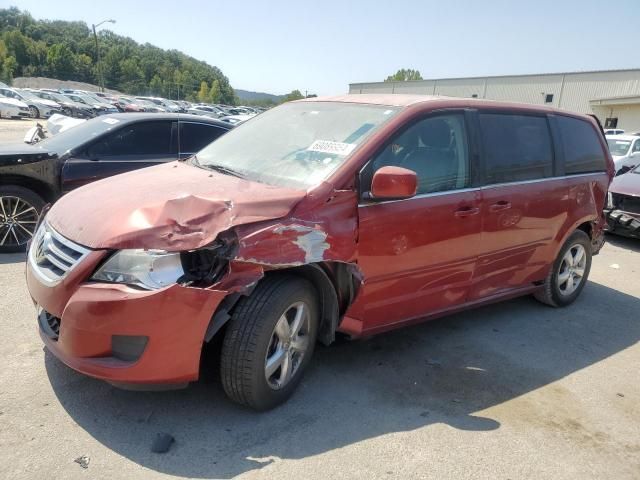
x=317, y=241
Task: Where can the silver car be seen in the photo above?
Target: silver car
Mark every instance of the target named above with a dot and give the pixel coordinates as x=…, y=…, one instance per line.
x=38, y=107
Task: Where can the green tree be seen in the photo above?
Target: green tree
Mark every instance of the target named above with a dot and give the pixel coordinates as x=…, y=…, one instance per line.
x=294, y=95
x=203, y=93
x=60, y=62
x=155, y=85
x=214, y=92
x=66, y=50
x=9, y=65
x=404, y=75
x=17, y=45
x=131, y=76
x=83, y=67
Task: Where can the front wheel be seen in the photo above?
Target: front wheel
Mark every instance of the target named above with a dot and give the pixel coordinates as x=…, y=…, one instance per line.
x=19, y=211
x=269, y=342
x=569, y=273
x=34, y=112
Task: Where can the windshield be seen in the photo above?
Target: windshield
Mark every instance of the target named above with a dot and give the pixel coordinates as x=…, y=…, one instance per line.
x=26, y=94
x=618, y=147
x=59, y=98
x=98, y=99
x=82, y=99
x=297, y=144
x=78, y=135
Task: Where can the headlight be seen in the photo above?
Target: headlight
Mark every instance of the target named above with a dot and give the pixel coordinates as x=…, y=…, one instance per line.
x=148, y=269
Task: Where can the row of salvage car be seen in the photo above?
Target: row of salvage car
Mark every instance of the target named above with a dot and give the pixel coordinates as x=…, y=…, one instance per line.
x=42, y=103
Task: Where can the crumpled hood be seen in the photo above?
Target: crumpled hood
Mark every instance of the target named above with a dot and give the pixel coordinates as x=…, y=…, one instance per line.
x=626, y=184
x=175, y=206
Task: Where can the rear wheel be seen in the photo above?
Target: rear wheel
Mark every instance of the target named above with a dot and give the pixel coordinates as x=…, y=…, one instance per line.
x=19, y=211
x=269, y=342
x=569, y=272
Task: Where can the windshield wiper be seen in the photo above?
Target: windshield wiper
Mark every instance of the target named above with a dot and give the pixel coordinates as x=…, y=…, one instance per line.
x=221, y=169
x=213, y=166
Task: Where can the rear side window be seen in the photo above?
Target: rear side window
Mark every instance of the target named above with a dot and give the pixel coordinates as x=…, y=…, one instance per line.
x=516, y=147
x=195, y=136
x=582, y=150
x=144, y=138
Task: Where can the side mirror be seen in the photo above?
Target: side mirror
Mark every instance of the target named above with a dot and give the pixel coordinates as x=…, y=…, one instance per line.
x=393, y=183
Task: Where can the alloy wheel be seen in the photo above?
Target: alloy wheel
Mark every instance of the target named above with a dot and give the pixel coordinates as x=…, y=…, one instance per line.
x=572, y=269
x=18, y=219
x=33, y=112
x=288, y=345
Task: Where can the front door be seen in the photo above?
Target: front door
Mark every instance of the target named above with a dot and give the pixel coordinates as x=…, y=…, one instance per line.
x=133, y=146
x=418, y=255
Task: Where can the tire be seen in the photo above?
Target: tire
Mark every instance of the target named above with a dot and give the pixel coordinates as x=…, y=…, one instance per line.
x=34, y=112
x=14, y=226
x=66, y=111
x=557, y=293
x=251, y=340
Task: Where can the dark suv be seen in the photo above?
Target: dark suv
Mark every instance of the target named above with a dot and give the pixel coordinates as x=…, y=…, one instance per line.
x=32, y=175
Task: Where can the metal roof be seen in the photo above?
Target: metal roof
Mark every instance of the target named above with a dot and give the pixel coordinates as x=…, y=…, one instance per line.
x=480, y=77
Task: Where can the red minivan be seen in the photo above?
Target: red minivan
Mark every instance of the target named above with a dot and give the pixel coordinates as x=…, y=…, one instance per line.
x=352, y=214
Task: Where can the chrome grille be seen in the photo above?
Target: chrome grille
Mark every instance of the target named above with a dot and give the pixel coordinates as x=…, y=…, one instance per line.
x=53, y=256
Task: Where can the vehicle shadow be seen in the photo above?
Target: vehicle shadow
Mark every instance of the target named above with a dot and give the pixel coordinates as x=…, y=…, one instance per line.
x=627, y=243
x=7, y=258
x=438, y=372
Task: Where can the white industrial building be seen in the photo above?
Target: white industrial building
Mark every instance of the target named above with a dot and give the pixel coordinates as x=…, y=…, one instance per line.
x=613, y=95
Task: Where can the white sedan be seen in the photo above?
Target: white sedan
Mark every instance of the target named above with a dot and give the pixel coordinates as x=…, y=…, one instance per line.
x=12, y=108
x=625, y=150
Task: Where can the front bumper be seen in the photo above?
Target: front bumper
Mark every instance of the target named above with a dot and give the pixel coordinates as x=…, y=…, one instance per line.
x=623, y=223
x=92, y=315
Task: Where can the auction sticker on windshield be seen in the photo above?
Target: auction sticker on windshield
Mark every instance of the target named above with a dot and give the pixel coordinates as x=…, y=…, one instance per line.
x=336, y=148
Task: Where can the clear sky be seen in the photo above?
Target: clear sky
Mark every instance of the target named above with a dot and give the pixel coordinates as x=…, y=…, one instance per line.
x=321, y=46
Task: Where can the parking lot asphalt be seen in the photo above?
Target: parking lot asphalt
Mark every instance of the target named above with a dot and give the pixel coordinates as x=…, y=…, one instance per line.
x=13, y=131
x=515, y=390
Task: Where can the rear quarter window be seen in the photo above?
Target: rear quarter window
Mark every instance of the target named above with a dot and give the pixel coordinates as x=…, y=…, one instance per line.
x=516, y=147
x=583, y=152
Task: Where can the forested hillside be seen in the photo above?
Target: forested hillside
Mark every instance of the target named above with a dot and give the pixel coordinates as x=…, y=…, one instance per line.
x=67, y=51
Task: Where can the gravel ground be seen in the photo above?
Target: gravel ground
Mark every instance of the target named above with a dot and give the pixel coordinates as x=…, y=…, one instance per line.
x=515, y=390
x=12, y=131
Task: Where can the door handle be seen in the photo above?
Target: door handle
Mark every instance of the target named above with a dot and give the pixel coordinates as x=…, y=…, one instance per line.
x=501, y=205
x=466, y=211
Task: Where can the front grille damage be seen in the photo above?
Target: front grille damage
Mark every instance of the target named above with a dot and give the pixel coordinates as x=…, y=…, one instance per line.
x=626, y=203
x=623, y=215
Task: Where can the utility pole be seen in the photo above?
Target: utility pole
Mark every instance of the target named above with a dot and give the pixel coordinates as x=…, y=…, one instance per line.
x=99, y=63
